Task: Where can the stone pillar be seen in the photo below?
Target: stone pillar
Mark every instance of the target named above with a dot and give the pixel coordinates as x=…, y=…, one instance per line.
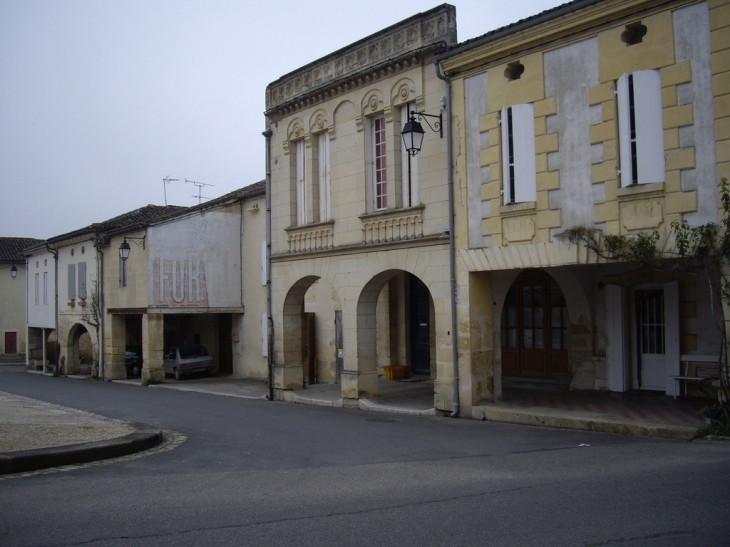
x=153, y=348
x=115, y=347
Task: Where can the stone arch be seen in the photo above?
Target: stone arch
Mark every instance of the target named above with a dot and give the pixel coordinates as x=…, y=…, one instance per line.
x=373, y=102
x=403, y=92
x=292, y=327
x=319, y=121
x=366, y=325
x=295, y=130
x=580, y=329
x=74, y=355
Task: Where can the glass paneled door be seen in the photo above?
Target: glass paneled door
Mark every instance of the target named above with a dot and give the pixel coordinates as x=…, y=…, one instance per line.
x=534, y=328
x=650, y=374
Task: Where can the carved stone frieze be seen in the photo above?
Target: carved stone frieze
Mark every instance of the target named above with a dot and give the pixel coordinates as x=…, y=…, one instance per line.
x=415, y=33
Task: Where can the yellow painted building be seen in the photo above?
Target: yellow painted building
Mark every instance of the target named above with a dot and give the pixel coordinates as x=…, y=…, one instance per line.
x=612, y=116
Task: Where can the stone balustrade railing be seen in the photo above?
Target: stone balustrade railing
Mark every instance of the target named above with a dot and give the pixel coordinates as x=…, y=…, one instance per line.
x=311, y=237
x=397, y=225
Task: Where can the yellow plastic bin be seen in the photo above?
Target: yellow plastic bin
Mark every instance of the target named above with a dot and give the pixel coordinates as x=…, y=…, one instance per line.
x=394, y=372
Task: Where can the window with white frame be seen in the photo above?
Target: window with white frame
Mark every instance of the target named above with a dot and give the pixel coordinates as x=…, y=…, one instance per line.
x=519, y=181
x=323, y=147
x=301, y=183
x=37, y=288
x=641, y=129
x=377, y=159
x=409, y=164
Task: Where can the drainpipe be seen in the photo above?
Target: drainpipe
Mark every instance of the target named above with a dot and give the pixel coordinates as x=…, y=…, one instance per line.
x=54, y=252
x=269, y=316
x=452, y=251
x=100, y=290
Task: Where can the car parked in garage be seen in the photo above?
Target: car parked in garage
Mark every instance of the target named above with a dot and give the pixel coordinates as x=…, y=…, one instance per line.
x=184, y=360
x=133, y=361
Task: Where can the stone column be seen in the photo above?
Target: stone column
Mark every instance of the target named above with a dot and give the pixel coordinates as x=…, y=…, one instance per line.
x=115, y=347
x=153, y=348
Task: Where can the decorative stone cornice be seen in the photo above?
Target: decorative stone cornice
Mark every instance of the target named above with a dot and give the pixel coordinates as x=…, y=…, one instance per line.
x=382, y=54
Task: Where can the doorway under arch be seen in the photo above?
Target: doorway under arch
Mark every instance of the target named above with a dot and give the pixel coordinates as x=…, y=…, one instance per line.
x=534, y=328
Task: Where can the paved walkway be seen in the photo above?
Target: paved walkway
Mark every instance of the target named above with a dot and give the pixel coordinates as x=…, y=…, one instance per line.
x=38, y=435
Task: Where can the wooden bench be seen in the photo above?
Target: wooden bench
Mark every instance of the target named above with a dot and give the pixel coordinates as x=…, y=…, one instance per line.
x=682, y=380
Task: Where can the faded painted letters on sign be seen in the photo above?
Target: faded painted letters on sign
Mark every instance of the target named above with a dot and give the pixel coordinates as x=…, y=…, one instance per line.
x=179, y=282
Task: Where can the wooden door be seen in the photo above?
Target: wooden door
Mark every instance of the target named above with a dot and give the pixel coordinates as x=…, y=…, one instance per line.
x=11, y=342
x=420, y=327
x=534, y=328
x=309, y=350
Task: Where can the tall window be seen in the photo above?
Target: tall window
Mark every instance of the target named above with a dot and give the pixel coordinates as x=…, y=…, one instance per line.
x=301, y=174
x=123, y=273
x=37, y=288
x=518, y=154
x=45, y=288
x=641, y=129
x=325, y=210
x=409, y=164
x=378, y=172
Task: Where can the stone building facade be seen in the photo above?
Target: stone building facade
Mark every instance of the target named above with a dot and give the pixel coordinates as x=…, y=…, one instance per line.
x=359, y=229
x=611, y=116
x=193, y=277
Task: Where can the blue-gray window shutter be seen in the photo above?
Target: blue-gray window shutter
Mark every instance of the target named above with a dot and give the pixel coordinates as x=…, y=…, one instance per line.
x=82, y=280
x=72, y=281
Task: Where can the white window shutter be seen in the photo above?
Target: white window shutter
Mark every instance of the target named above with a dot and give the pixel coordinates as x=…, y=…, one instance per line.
x=624, y=130
x=324, y=177
x=301, y=185
x=649, y=126
x=523, y=131
x=617, y=354
x=506, y=194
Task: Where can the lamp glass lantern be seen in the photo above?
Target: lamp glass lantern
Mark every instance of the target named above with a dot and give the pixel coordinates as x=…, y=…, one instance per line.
x=413, y=136
x=13, y=272
x=124, y=250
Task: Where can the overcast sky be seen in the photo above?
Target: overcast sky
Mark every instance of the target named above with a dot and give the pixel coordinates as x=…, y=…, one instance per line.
x=100, y=100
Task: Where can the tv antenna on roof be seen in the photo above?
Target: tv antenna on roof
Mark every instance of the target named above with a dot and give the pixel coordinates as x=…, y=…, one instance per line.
x=165, y=182
x=200, y=189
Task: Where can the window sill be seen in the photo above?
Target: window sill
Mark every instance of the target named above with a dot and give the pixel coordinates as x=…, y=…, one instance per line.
x=312, y=226
x=516, y=209
x=392, y=213
x=640, y=190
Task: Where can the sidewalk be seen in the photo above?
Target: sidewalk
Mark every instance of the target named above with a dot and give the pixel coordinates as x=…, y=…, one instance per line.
x=643, y=414
x=37, y=435
x=635, y=413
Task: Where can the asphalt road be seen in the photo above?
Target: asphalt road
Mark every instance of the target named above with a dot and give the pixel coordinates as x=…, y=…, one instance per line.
x=262, y=473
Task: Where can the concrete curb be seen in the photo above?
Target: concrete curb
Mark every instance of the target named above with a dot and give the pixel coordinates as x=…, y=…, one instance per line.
x=203, y=391
x=367, y=404
x=43, y=458
x=291, y=397
x=598, y=425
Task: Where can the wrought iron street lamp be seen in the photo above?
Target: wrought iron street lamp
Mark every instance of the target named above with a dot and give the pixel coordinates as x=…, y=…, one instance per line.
x=124, y=248
x=13, y=272
x=413, y=132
